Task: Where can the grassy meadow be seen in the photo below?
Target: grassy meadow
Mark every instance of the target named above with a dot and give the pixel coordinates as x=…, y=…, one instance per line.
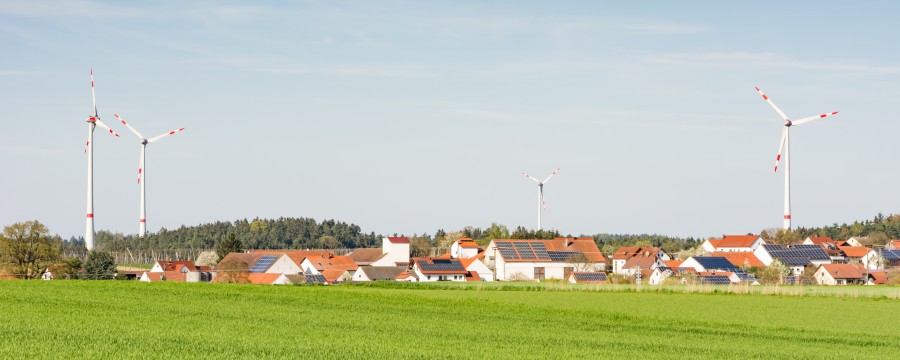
x=124, y=319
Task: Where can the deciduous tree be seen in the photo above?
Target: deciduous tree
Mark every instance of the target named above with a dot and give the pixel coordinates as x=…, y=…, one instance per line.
x=27, y=249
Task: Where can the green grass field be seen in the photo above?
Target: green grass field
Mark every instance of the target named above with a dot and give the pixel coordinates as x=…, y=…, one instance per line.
x=118, y=319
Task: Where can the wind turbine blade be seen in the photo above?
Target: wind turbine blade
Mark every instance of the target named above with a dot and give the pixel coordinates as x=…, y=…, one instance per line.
x=813, y=118
x=781, y=146
x=129, y=127
x=166, y=134
x=101, y=124
x=93, y=95
x=529, y=176
x=766, y=98
x=551, y=175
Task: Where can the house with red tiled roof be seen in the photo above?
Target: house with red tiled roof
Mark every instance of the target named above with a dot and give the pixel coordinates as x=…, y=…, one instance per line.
x=740, y=259
x=407, y=277
x=733, y=243
x=434, y=269
x=652, y=255
x=183, y=271
x=892, y=245
x=877, y=277
x=840, y=274
x=860, y=255
x=477, y=268
x=464, y=248
x=318, y=264
x=537, y=259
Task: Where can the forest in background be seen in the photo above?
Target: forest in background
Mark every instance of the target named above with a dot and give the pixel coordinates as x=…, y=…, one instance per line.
x=307, y=233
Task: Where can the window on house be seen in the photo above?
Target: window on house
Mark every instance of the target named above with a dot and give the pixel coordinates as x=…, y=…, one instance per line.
x=538, y=273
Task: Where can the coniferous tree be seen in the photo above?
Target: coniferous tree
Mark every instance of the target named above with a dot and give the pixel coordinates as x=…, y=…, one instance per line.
x=229, y=245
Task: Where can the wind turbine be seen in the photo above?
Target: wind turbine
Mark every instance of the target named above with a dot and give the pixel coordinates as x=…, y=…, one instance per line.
x=540, y=185
x=141, y=171
x=93, y=121
x=785, y=146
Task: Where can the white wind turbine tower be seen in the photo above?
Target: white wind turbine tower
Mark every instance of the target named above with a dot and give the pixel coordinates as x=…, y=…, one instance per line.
x=541, y=193
x=785, y=146
x=141, y=171
x=93, y=121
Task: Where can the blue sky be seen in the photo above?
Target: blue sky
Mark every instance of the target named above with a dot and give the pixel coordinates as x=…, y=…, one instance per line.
x=408, y=116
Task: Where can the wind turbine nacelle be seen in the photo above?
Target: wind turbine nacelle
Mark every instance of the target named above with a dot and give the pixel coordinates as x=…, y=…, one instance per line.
x=91, y=119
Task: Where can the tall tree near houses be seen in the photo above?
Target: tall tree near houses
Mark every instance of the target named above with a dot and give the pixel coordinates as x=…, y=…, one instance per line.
x=27, y=249
x=229, y=245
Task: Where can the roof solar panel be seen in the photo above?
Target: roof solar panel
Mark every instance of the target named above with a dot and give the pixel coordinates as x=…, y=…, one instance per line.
x=559, y=256
x=507, y=250
x=441, y=265
x=524, y=250
x=891, y=255
x=540, y=250
x=715, y=280
x=715, y=263
x=590, y=276
x=315, y=279
x=263, y=263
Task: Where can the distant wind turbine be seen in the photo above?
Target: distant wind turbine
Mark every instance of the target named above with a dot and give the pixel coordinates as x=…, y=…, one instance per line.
x=785, y=146
x=141, y=170
x=93, y=121
x=540, y=185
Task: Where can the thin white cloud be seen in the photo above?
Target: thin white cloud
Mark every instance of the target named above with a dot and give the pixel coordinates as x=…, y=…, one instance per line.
x=743, y=59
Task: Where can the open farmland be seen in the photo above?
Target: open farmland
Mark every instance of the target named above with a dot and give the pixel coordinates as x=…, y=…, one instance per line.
x=107, y=319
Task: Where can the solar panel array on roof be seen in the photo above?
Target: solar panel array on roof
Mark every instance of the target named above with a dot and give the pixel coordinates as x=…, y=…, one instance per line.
x=315, y=279
x=263, y=263
x=524, y=250
x=540, y=250
x=810, y=252
x=715, y=280
x=891, y=255
x=590, y=276
x=743, y=276
x=560, y=255
x=715, y=263
x=794, y=261
x=441, y=265
x=507, y=250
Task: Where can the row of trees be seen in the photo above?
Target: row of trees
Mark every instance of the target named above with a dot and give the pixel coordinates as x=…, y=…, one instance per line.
x=281, y=233
x=27, y=251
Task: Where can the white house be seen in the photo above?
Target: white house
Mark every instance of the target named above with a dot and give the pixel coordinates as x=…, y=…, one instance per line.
x=708, y=263
x=652, y=257
x=463, y=248
x=840, y=274
x=437, y=269
x=515, y=259
x=474, y=265
x=797, y=257
x=857, y=240
x=733, y=243
x=377, y=273
x=394, y=251
x=184, y=271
